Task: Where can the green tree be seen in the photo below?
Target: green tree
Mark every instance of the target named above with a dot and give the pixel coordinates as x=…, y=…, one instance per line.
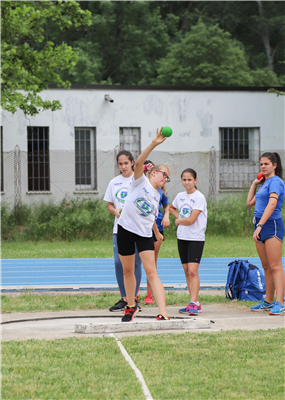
x=30, y=61
x=209, y=56
x=123, y=43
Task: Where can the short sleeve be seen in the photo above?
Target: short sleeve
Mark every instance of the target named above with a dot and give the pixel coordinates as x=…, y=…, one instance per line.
x=109, y=195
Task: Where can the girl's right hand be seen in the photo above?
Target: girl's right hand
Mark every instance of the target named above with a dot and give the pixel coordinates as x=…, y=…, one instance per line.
x=118, y=212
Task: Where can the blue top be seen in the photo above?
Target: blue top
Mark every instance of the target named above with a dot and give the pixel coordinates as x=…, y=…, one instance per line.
x=163, y=201
x=271, y=185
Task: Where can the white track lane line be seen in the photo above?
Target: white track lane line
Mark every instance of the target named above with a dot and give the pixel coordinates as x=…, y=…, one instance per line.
x=138, y=373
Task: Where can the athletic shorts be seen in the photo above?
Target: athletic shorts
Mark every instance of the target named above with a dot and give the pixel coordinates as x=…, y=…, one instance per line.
x=190, y=251
x=271, y=228
x=154, y=238
x=126, y=241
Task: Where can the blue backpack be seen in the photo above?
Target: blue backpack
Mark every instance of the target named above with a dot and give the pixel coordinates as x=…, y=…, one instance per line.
x=245, y=282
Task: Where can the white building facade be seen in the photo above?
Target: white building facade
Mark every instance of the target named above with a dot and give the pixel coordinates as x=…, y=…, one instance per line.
x=220, y=132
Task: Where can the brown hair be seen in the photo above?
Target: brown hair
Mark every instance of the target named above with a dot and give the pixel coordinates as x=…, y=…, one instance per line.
x=275, y=159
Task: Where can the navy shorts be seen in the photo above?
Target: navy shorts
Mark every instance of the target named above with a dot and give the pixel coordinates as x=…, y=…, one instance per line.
x=127, y=240
x=271, y=228
x=190, y=251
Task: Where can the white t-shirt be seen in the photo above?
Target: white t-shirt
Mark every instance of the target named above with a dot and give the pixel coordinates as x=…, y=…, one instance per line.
x=140, y=208
x=185, y=204
x=116, y=193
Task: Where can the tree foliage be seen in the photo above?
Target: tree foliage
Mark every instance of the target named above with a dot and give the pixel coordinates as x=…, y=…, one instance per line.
x=208, y=56
x=30, y=61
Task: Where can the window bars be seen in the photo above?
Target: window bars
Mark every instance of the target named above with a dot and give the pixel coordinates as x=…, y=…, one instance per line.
x=38, y=159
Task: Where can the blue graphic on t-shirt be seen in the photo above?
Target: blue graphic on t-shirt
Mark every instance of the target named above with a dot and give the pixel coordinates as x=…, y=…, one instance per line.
x=145, y=207
x=185, y=211
x=121, y=194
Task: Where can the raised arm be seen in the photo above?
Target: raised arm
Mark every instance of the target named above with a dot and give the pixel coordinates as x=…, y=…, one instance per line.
x=251, y=194
x=157, y=140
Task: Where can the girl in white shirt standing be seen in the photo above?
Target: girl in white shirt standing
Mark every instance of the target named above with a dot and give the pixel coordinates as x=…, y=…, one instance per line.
x=135, y=228
x=116, y=194
x=190, y=209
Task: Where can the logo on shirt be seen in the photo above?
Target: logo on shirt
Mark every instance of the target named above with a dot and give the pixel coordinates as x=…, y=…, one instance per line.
x=185, y=211
x=145, y=207
x=121, y=194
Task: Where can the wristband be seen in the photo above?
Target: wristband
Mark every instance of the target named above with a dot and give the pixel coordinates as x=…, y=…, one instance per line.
x=259, y=225
x=145, y=167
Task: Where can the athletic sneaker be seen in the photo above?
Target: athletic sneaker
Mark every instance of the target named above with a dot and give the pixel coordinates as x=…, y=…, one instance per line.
x=161, y=317
x=119, y=306
x=193, y=309
x=263, y=306
x=186, y=309
x=130, y=312
x=148, y=299
x=277, y=309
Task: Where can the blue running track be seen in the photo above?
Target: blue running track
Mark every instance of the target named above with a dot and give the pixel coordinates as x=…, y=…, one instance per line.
x=99, y=273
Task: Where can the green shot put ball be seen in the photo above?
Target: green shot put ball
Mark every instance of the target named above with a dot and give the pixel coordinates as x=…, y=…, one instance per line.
x=166, y=131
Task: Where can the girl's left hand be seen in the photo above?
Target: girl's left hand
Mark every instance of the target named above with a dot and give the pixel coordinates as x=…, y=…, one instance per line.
x=159, y=238
x=256, y=233
x=159, y=138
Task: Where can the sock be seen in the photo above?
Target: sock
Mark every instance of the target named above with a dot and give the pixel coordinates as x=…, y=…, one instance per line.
x=132, y=306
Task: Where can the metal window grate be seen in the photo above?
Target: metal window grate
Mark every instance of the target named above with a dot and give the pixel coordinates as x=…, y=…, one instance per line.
x=130, y=139
x=38, y=159
x=235, y=143
x=2, y=175
x=85, y=159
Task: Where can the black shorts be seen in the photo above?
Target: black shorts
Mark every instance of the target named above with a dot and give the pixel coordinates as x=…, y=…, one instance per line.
x=190, y=251
x=154, y=238
x=126, y=241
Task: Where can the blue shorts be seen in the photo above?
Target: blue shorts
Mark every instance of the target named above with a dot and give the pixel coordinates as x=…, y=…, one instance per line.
x=271, y=228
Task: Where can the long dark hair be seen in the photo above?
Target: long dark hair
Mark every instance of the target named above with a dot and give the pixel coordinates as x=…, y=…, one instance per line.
x=275, y=159
x=127, y=154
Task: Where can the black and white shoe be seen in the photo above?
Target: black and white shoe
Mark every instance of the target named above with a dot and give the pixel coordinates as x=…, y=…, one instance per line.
x=119, y=306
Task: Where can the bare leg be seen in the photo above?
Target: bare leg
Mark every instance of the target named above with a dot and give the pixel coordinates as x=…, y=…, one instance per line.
x=128, y=263
x=269, y=282
x=194, y=281
x=156, y=251
x=273, y=248
x=186, y=271
x=148, y=261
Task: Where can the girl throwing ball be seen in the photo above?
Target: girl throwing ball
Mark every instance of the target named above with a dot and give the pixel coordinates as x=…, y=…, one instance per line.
x=135, y=228
x=190, y=209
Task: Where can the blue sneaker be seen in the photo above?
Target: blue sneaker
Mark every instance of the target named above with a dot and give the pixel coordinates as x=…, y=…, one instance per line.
x=193, y=309
x=263, y=306
x=186, y=309
x=277, y=309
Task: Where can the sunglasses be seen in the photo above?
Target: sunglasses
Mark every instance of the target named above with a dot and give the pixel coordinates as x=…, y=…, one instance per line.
x=165, y=176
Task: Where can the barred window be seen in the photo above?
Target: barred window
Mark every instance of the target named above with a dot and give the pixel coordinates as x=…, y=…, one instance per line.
x=130, y=139
x=38, y=159
x=85, y=159
x=239, y=161
x=235, y=143
x=1, y=149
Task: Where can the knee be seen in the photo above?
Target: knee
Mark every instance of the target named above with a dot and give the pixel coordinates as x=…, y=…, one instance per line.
x=275, y=268
x=192, y=273
x=151, y=274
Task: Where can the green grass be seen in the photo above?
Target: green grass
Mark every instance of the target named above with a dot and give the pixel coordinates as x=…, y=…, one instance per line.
x=224, y=365
x=215, y=246
x=30, y=301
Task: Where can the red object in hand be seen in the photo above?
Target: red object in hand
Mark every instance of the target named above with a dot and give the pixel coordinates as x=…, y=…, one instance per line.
x=261, y=175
